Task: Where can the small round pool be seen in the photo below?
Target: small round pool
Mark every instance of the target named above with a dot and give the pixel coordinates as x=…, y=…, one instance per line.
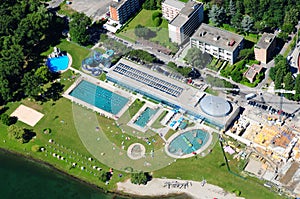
x=57, y=64
x=187, y=143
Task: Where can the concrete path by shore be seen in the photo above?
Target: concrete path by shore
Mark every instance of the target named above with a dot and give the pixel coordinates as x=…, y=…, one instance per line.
x=158, y=187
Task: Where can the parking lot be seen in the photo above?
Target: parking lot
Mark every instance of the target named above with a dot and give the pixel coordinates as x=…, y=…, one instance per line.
x=92, y=8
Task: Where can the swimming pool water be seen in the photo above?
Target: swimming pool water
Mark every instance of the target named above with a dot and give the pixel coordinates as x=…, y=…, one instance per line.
x=188, y=142
x=144, y=118
x=56, y=64
x=99, y=97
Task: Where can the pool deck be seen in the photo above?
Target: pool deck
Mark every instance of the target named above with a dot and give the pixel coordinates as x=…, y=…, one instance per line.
x=104, y=85
x=152, y=119
x=199, y=151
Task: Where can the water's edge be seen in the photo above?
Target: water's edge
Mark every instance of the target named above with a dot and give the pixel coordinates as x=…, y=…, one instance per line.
x=63, y=173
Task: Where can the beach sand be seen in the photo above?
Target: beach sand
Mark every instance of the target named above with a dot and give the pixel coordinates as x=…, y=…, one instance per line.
x=159, y=187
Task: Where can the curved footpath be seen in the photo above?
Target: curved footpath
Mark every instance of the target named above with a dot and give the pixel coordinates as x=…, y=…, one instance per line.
x=159, y=187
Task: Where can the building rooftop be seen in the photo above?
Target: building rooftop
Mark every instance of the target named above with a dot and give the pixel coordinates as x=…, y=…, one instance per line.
x=265, y=41
x=162, y=87
x=117, y=3
x=215, y=106
x=185, y=13
x=174, y=3
x=217, y=37
x=252, y=71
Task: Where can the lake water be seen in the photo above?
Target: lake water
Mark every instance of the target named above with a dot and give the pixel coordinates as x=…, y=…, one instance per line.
x=25, y=179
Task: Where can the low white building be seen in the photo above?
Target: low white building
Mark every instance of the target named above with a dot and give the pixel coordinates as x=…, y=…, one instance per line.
x=219, y=43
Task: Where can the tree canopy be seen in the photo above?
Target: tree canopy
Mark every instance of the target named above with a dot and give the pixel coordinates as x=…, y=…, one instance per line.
x=24, y=33
x=261, y=14
x=79, y=28
x=196, y=58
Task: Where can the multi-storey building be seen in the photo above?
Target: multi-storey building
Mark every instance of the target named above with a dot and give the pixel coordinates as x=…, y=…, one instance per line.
x=122, y=10
x=186, y=22
x=265, y=47
x=217, y=42
x=171, y=8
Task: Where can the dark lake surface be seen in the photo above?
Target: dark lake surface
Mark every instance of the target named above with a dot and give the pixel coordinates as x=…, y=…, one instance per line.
x=21, y=178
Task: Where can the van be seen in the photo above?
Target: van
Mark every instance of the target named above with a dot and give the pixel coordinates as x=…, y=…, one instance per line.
x=250, y=96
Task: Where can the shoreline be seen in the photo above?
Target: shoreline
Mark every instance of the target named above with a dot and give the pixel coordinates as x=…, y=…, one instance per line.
x=61, y=172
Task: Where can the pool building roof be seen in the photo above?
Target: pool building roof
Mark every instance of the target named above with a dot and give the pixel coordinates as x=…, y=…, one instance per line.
x=162, y=88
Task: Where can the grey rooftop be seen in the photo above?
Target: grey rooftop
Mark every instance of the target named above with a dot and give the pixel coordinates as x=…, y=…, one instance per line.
x=217, y=37
x=265, y=41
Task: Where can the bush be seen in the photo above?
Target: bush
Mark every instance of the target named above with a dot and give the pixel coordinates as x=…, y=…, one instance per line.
x=104, y=176
x=140, y=178
x=157, y=21
x=156, y=14
x=7, y=120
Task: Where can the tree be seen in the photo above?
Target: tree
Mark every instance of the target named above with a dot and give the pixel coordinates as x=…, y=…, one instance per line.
x=231, y=8
x=43, y=74
x=247, y=23
x=217, y=15
x=143, y=32
x=150, y=5
x=196, y=58
x=103, y=176
x=157, y=21
x=288, y=81
x=236, y=20
x=297, y=88
x=79, y=28
x=139, y=178
x=156, y=14
x=15, y=132
x=291, y=16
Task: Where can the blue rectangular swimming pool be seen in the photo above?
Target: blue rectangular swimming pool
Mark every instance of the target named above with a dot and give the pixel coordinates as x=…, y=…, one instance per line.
x=99, y=97
x=145, y=116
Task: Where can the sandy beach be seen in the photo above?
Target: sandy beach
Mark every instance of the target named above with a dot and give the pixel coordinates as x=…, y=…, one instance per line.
x=158, y=187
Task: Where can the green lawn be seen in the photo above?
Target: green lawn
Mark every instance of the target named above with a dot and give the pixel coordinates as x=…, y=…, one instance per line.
x=77, y=52
x=144, y=18
x=59, y=118
x=211, y=91
x=209, y=169
x=156, y=124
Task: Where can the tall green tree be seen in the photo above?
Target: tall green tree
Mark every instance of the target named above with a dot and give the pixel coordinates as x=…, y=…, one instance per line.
x=247, y=24
x=217, y=15
x=289, y=82
x=297, y=88
x=196, y=58
x=79, y=25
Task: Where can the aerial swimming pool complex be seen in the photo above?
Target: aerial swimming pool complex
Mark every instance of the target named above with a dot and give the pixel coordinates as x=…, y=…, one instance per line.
x=99, y=97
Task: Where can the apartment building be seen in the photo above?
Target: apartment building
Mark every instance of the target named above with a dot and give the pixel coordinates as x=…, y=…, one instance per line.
x=171, y=8
x=265, y=47
x=217, y=42
x=186, y=22
x=122, y=10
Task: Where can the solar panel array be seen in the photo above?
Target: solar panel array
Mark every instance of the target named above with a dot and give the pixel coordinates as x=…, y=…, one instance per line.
x=149, y=80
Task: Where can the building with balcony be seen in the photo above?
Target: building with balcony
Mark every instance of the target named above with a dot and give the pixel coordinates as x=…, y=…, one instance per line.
x=264, y=49
x=122, y=10
x=186, y=22
x=217, y=42
x=171, y=8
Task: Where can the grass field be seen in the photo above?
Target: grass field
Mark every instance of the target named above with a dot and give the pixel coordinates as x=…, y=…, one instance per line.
x=144, y=18
x=210, y=169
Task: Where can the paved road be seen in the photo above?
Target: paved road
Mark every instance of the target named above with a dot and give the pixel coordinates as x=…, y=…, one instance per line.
x=92, y=8
x=54, y=3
